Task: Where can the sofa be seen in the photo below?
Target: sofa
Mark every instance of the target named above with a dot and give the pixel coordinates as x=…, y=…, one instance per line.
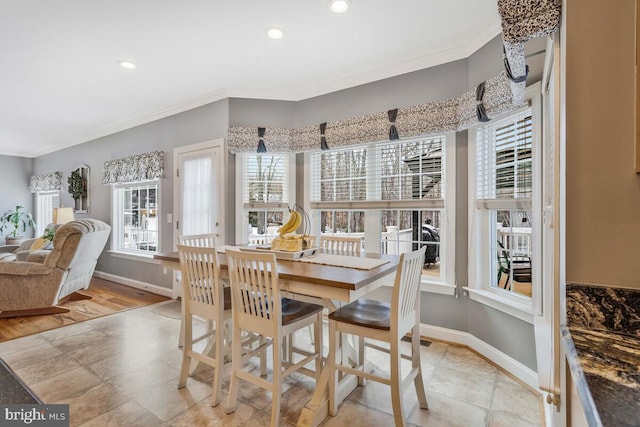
x=31, y=287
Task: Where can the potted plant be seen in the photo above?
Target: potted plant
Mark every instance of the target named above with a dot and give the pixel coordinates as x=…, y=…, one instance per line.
x=18, y=219
x=77, y=188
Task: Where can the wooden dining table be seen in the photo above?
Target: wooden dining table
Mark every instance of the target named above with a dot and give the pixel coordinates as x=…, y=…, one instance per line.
x=331, y=284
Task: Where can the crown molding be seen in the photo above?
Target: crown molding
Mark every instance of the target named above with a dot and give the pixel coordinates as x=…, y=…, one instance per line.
x=454, y=53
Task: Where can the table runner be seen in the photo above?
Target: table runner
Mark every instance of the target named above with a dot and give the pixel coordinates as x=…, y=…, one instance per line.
x=346, y=261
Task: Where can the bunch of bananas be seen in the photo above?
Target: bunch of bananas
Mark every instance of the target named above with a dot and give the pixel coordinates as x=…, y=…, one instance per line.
x=295, y=219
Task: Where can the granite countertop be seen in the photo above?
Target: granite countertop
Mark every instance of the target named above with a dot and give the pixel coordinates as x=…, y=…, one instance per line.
x=602, y=342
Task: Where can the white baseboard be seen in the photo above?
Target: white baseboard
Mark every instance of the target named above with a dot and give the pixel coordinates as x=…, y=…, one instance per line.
x=509, y=364
x=155, y=289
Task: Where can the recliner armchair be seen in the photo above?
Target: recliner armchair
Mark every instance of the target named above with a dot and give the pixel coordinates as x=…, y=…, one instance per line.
x=22, y=251
x=33, y=288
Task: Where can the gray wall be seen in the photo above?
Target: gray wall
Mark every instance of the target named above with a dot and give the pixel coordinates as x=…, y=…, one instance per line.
x=191, y=127
x=502, y=331
x=14, y=176
x=431, y=84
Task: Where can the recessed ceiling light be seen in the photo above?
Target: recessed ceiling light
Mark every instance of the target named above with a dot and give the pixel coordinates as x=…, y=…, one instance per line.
x=274, y=33
x=339, y=6
x=127, y=64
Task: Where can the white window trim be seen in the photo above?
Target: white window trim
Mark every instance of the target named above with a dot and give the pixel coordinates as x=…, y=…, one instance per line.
x=116, y=227
x=445, y=284
x=514, y=305
x=242, y=218
x=134, y=256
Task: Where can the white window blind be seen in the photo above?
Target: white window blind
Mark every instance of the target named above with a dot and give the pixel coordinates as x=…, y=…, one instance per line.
x=392, y=195
x=503, y=162
x=396, y=174
x=265, y=180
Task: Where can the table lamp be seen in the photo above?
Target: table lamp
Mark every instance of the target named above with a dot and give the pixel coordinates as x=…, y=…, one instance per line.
x=62, y=215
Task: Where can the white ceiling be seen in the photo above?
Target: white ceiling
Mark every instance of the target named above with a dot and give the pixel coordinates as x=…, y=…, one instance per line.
x=61, y=84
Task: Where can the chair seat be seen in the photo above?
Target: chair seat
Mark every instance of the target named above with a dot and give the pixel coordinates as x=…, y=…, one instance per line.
x=293, y=310
x=365, y=312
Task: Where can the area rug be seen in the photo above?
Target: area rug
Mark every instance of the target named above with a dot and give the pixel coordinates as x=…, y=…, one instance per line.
x=13, y=390
x=171, y=309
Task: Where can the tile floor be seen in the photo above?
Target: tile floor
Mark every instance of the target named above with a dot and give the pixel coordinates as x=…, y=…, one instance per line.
x=122, y=370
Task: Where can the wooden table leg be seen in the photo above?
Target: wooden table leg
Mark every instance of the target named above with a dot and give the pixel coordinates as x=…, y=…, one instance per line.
x=317, y=409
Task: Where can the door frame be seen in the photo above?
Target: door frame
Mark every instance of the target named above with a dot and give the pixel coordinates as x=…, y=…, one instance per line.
x=221, y=177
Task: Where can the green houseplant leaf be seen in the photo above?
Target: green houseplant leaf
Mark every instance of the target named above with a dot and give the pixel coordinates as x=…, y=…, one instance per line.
x=49, y=234
x=18, y=219
x=77, y=187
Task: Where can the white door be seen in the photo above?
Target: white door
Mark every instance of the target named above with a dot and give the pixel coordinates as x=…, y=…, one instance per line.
x=199, y=191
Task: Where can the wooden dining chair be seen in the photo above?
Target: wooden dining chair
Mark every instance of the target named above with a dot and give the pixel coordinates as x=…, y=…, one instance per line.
x=341, y=244
x=386, y=322
x=204, y=297
x=202, y=241
x=259, y=307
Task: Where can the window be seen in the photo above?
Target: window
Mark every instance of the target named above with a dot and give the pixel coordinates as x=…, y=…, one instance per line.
x=46, y=201
x=266, y=187
x=504, y=198
x=392, y=195
x=135, y=217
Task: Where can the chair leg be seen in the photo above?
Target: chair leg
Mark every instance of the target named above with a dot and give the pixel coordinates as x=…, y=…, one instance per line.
x=361, y=358
x=276, y=385
x=334, y=339
x=186, y=349
x=263, y=357
x=216, y=386
x=236, y=365
x=396, y=382
x=228, y=341
x=182, y=310
x=317, y=343
x=416, y=364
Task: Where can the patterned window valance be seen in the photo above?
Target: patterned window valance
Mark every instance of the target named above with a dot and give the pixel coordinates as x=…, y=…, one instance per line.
x=47, y=182
x=434, y=117
x=138, y=168
x=522, y=20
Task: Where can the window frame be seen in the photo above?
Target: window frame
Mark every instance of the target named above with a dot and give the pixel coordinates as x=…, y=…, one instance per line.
x=479, y=262
x=444, y=284
x=117, y=226
x=244, y=207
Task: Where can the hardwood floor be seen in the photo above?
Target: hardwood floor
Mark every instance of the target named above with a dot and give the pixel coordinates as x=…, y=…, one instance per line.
x=106, y=298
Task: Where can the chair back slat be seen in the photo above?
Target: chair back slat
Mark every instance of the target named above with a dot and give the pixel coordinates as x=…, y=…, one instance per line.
x=200, y=275
x=405, y=300
x=341, y=244
x=198, y=240
x=255, y=287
